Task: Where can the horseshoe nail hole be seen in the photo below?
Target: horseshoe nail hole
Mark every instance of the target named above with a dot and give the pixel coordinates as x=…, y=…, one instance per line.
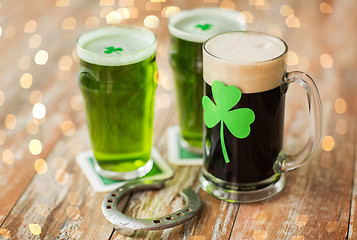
x=179, y=214
x=110, y=200
x=188, y=210
x=157, y=221
x=114, y=194
x=109, y=207
x=169, y=218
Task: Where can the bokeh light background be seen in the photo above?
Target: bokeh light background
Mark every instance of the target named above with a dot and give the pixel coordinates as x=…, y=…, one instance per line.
x=47, y=76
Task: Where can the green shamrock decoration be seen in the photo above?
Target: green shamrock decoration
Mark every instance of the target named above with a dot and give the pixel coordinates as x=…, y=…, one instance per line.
x=237, y=121
x=113, y=49
x=204, y=27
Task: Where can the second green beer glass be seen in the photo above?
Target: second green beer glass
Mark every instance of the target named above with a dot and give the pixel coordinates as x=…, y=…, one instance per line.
x=188, y=30
x=117, y=80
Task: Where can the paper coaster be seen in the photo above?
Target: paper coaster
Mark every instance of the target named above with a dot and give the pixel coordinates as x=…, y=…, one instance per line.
x=160, y=171
x=177, y=154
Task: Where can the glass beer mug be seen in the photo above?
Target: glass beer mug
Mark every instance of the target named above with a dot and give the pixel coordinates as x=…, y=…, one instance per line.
x=245, y=82
x=118, y=80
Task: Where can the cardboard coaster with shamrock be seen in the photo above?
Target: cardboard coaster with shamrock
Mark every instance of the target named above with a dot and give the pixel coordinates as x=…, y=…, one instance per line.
x=178, y=155
x=160, y=171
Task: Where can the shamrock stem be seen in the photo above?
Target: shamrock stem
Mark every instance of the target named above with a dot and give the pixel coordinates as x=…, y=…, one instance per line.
x=224, y=150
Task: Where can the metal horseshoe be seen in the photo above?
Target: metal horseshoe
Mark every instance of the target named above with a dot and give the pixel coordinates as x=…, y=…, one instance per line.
x=127, y=225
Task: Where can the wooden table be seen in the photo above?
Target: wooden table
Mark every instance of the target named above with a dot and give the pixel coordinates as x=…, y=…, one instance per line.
x=45, y=195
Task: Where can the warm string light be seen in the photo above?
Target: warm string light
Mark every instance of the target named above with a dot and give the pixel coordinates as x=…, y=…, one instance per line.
x=245, y=16
x=41, y=57
x=40, y=166
x=113, y=17
x=33, y=127
x=25, y=63
x=10, y=121
x=61, y=177
x=326, y=8
x=35, y=97
x=26, y=80
x=126, y=3
x=106, y=3
x=69, y=23
x=228, y=4
x=291, y=20
x=168, y=11
x=35, y=229
x=342, y=126
x=8, y=157
x=326, y=60
x=65, y=63
x=328, y=143
x=262, y=5
x=77, y=103
x=30, y=26
x=340, y=105
x=151, y=21
x=301, y=220
x=62, y=3
x=92, y=22
x=286, y=11
x=35, y=41
x=35, y=147
x=39, y=111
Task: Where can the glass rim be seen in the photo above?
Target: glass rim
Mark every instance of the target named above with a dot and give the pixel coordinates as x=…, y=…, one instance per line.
x=191, y=37
x=245, y=32
x=122, y=59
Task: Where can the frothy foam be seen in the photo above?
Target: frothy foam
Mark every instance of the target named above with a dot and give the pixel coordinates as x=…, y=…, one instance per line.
x=116, y=46
x=253, y=62
x=199, y=24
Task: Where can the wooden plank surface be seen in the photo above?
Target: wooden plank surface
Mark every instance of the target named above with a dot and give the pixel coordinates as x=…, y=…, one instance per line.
x=53, y=196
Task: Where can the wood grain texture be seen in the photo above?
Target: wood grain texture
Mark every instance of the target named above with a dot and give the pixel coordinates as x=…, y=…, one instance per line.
x=319, y=201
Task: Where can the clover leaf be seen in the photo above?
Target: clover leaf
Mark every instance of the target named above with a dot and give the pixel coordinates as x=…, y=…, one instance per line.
x=237, y=121
x=111, y=49
x=204, y=27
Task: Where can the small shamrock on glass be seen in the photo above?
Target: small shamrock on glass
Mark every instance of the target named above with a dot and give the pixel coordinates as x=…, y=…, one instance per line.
x=237, y=121
x=204, y=27
x=111, y=49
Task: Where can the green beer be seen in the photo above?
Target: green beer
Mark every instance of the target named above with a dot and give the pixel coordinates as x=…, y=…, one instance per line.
x=117, y=80
x=188, y=30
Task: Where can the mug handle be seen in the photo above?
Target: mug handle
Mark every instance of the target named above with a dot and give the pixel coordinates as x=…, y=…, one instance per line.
x=284, y=161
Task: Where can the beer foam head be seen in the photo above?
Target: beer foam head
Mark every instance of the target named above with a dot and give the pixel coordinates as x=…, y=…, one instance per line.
x=199, y=24
x=116, y=46
x=251, y=61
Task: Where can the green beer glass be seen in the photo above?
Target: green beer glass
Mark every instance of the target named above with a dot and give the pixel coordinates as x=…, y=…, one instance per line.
x=118, y=80
x=188, y=30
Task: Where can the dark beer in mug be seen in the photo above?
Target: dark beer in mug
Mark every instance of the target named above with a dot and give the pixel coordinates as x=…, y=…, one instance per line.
x=188, y=30
x=117, y=80
x=260, y=148
x=244, y=100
